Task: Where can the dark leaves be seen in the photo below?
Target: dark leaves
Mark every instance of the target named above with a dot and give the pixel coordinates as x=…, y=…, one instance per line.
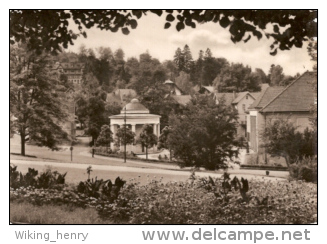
x=125, y=30
x=180, y=26
x=170, y=18
x=276, y=28
x=224, y=22
x=167, y=25
x=258, y=34
x=157, y=12
x=273, y=53
x=133, y=23
x=247, y=39
x=137, y=13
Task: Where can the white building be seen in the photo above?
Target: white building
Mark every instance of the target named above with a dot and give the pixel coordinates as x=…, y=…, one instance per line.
x=136, y=116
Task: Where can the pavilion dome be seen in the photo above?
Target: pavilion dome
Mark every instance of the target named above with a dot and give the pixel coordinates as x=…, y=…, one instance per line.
x=135, y=107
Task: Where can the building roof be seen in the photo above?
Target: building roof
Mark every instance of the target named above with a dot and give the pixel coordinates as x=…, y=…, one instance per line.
x=169, y=82
x=266, y=96
x=255, y=95
x=134, y=110
x=135, y=107
x=227, y=96
x=241, y=95
x=182, y=99
x=264, y=86
x=72, y=65
x=296, y=97
x=210, y=89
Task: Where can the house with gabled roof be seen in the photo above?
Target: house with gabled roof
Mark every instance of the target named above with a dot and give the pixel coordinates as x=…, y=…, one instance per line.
x=173, y=88
x=206, y=89
x=292, y=103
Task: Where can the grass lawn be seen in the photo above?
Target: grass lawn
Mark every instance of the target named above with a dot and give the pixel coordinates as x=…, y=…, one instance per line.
x=75, y=175
x=50, y=214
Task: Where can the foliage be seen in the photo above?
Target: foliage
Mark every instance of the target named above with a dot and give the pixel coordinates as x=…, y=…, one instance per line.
x=47, y=179
x=101, y=189
x=281, y=138
x=183, y=59
x=290, y=27
x=204, y=135
x=105, y=136
x=236, y=77
x=305, y=169
x=94, y=111
x=275, y=75
x=214, y=201
x=206, y=200
x=147, y=138
x=36, y=102
x=163, y=138
x=125, y=136
x=154, y=98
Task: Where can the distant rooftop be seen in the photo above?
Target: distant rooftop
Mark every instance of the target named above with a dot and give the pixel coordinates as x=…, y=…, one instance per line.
x=299, y=96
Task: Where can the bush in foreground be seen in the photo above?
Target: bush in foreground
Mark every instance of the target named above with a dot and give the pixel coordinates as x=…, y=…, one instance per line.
x=305, y=169
x=196, y=201
x=199, y=202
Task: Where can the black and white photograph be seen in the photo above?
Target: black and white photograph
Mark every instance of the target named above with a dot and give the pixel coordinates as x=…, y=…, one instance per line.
x=163, y=117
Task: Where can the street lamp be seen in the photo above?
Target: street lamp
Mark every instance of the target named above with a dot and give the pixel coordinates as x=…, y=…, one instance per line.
x=125, y=136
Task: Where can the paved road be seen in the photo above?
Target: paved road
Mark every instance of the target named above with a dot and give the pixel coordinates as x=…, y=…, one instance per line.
x=77, y=172
x=105, y=167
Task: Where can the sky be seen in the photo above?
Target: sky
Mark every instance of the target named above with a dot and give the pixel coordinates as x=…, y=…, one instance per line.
x=161, y=43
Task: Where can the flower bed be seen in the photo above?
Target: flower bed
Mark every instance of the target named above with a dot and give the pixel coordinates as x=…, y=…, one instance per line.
x=196, y=201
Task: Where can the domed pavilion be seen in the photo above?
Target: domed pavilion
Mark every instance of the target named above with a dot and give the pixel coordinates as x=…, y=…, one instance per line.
x=136, y=116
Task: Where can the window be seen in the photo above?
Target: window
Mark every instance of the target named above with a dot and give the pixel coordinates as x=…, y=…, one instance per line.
x=247, y=96
x=243, y=106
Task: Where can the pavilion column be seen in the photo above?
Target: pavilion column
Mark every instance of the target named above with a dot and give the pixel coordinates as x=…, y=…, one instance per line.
x=121, y=148
x=112, y=128
x=155, y=132
x=158, y=130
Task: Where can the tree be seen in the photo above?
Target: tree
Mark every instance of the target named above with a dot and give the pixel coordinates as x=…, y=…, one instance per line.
x=105, y=53
x=204, y=135
x=90, y=84
x=163, y=140
x=289, y=27
x=263, y=77
x=105, y=136
x=95, y=116
x=237, y=77
x=282, y=139
x=275, y=75
x=150, y=72
x=188, y=60
x=287, y=80
x=124, y=136
x=197, y=72
x=211, y=68
x=179, y=59
x=147, y=138
x=35, y=103
x=153, y=98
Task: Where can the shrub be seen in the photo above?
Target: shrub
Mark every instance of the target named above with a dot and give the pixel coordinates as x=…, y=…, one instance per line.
x=205, y=200
x=47, y=179
x=214, y=201
x=305, y=169
x=103, y=150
